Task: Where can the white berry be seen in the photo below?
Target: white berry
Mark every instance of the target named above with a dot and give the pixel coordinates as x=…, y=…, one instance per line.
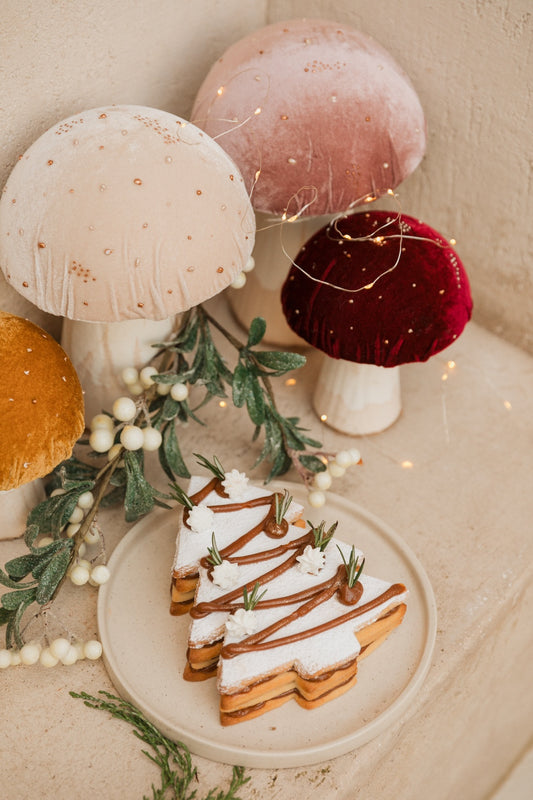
x=356, y=455
x=15, y=658
x=100, y=574
x=151, y=439
x=72, y=529
x=59, y=647
x=86, y=500
x=344, y=458
x=79, y=575
x=335, y=470
x=136, y=389
x=76, y=516
x=146, y=376
x=57, y=492
x=91, y=537
x=124, y=409
x=79, y=648
x=132, y=437
x=179, y=392
x=47, y=658
x=102, y=421
x=316, y=498
x=92, y=649
x=239, y=281
x=70, y=657
x=129, y=375
x=250, y=264
x=29, y=654
x=101, y=440
x=322, y=480
x=5, y=659
x=164, y=388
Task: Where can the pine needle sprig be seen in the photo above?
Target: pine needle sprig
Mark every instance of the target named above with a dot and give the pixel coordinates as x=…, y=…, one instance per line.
x=321, y=537
x=173, y=759
x=252, y=599
x=353, y=567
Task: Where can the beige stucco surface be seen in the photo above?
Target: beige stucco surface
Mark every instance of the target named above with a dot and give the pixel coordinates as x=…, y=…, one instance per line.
x=464, y=508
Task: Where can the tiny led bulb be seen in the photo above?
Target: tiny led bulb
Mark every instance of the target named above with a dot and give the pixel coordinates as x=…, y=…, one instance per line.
x=220, y=90
x=258, y=110
x=290, y=382
x=223, y=404
x=323, y=417
x=445, y=377
x=451, y=365
x=507, y=405
x=407, y=464
x=453, y=241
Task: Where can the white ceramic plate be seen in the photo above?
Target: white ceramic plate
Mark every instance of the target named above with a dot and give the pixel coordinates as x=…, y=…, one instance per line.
x=144, y=651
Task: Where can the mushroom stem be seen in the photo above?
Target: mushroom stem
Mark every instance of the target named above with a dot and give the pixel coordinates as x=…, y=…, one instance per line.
x=276, y=245
x=100, y=351
x=15, y=505
x=357, y=398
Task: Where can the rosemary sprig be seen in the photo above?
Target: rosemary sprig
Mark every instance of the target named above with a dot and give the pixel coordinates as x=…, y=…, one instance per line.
x=214, y=556
x=353, y=568
x=177, y=493
x=213, y=466
x=251, y=600
x=321, y=537
x=172, y=758
x=281, y=505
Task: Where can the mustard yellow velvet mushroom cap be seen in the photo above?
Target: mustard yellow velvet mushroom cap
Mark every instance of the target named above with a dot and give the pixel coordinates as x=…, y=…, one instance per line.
x=41, y=403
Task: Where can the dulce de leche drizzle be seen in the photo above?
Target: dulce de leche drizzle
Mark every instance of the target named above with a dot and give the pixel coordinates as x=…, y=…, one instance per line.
x=256, y=641
x=268, y=524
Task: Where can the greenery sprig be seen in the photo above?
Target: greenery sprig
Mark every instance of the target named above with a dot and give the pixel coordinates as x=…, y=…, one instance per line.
x=172, y=758
x=321, y=537
x=214, y=556
x=281, y=505
x=252, y=599
x=353, y=567
x=213, y=466
x=191, y=357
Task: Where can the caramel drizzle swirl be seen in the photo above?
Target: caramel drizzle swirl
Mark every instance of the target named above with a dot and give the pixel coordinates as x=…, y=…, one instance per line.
x=256, y=640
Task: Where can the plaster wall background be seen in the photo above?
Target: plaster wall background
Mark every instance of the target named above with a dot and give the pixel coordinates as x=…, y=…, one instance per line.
x=471, y=62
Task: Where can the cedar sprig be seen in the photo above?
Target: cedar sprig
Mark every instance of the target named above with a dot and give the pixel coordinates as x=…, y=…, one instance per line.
x=172, y=758
x=353, y=567
x=321, y=537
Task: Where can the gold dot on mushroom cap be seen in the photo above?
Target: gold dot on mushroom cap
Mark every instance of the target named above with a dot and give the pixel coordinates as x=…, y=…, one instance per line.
x=198, y=191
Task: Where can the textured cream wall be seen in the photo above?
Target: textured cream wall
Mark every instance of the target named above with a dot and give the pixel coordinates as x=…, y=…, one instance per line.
x=471, y=62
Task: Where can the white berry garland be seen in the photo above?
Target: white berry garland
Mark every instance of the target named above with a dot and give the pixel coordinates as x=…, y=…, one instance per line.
x=336, y=468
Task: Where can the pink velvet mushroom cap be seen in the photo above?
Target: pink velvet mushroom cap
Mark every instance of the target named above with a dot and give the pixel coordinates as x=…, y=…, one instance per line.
x=124, y=212
x=408, y=293
x=316, y=111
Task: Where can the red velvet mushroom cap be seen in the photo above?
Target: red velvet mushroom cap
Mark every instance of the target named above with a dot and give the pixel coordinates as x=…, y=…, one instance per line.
x=408, y=298
x=318, y=109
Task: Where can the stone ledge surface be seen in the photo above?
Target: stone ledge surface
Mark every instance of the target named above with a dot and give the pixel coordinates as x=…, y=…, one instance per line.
x=464, y=507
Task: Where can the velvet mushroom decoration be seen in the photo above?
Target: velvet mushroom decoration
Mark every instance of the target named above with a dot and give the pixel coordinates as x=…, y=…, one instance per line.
x=118, y=219
x=374, y=290
x=41, y=416
x=318, y=117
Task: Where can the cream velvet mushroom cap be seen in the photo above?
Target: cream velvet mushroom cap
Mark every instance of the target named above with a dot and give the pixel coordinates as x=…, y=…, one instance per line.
x=124, y=212
x=313, y=110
